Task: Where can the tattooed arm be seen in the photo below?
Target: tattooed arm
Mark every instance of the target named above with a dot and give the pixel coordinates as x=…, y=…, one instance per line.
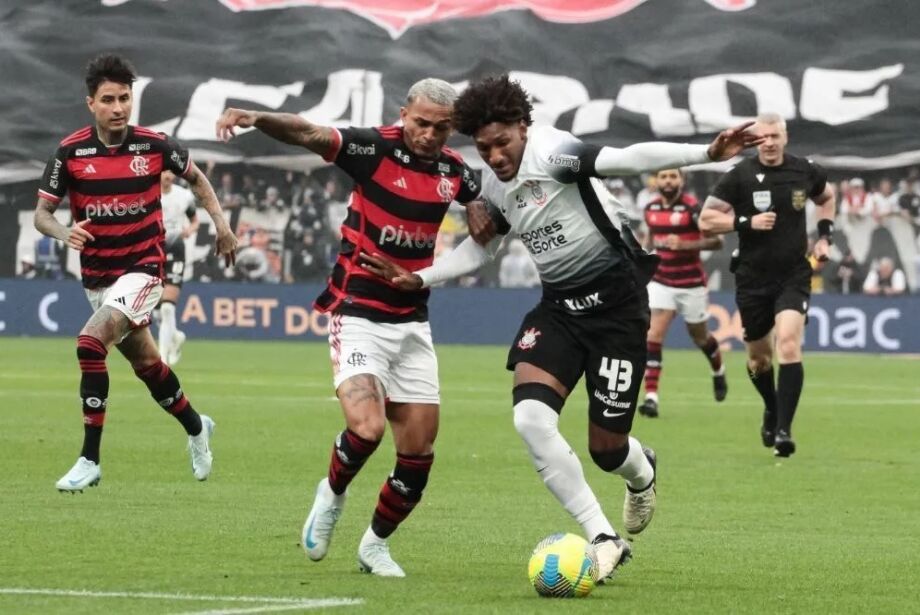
x=285, y=127
x=204, y=194
x=45, y=222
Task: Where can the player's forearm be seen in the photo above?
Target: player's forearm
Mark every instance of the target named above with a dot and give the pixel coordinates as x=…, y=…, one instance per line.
x=46, y=223
x=648, y=157
x=705, y=243
x=714, y=222
x=295, y=130
x=464, y=259
x=206, y=198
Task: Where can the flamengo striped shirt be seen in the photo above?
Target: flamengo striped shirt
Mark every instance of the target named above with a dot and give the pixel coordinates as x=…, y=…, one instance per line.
x=396, y=209
x=118, y=191
x=678, y=268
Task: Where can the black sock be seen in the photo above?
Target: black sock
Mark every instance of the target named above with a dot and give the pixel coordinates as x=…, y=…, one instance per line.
x=164, y=386
x=94, y=391
x=764, y=384
x=92, y=439
x=788, y=390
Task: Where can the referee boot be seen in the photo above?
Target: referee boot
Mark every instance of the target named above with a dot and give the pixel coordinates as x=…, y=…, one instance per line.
x=784, y=445
x=649, y=408
x=719, y=386
x=768, y=429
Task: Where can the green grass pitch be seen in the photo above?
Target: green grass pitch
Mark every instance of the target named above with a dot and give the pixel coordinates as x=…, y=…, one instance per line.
x=834, y=529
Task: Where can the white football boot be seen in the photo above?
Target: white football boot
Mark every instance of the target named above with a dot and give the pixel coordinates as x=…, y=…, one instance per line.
x=200, y=450
x=638, y=507
x=610, y=552
x=83, y=474
x=317, y=529
x=374, y=557
x=175, y=350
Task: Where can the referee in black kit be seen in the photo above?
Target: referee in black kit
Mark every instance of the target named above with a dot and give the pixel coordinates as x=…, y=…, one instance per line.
x=764, y=198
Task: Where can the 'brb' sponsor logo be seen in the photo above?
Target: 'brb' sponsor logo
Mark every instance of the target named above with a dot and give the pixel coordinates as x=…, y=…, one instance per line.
x=406, y=239
x=397, y=16
x=100, y=209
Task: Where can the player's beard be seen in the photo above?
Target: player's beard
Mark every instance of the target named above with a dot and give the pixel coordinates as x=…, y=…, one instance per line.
x=669, y=195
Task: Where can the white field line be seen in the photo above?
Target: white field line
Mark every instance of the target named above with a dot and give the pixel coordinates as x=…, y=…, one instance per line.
x=277, y=603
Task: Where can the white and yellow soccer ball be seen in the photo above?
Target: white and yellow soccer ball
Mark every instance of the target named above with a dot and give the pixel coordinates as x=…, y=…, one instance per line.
x=563, y=566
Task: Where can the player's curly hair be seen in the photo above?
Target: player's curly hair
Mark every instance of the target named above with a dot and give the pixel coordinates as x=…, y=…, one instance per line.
x=493, y=99
x=108, y=67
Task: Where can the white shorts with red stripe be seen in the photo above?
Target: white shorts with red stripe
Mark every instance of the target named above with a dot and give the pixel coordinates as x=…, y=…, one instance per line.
x=692, y=303
x=400, y=355
x=133, y=294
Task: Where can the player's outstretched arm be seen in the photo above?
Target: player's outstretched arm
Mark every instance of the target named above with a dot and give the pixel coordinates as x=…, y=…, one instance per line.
x=226, y=241
x=285, y=127
x=464, y=259
x=656, y=155
x=45, y=223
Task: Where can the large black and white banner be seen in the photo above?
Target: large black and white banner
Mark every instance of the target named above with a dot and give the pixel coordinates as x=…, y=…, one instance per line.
x=845, y=75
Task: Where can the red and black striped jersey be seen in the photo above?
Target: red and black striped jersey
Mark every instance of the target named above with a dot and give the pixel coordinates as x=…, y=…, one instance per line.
x=118, y=190
x=396, y=209
x=678, y=268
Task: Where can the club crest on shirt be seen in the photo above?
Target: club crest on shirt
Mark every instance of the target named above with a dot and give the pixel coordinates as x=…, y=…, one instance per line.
x=536, y=190
x=529, y=339
x=798, y=199
x=138, y=165
x=446, y=190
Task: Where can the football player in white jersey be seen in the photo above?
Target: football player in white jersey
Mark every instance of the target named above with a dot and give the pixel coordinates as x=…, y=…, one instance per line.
x=593, y=317
x=180, y=221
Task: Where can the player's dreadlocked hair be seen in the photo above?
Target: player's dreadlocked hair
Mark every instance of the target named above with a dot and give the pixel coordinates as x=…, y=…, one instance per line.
x=494, y=99
x=108, y=67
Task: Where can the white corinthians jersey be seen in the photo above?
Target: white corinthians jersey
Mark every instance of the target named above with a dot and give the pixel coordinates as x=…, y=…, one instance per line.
x=552, y=218
x=178, y=208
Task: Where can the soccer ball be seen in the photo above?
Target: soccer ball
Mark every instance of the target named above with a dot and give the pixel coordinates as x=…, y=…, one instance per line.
x=563, y=566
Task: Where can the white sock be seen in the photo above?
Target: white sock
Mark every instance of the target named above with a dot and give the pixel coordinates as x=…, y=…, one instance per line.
x=637, y=470
x=167, y=327
x=558, y=466
x=720, y=371
x=652, y=396
x=370, y=537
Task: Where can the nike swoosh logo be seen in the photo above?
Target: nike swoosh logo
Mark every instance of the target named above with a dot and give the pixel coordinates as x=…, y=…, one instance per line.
x=309, y=542
x=74, y=483
x=613, y=414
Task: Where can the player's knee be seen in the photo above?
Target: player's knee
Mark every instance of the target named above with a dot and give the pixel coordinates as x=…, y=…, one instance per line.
x=759, y=363
x=789, y=348
x=536, y=410
x=368, y=427
x=142, y=365
x=90, y=348
x=611, y=459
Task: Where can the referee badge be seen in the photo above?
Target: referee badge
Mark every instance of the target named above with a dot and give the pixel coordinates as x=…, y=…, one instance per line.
x=798, y=199
x=762, y=200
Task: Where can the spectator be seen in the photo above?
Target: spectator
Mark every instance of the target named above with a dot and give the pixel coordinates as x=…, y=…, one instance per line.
x=26, y=267
x=884, y=201
x=885, y=279
x=909, y=204
x=49, y=259
x=846, y=276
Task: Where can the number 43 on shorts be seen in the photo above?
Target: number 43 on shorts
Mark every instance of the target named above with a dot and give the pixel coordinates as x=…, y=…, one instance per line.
x=618, y=373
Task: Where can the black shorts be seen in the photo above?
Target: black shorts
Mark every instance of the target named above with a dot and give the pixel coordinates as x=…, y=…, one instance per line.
x=760, y=300
x=572, y=335
x=175, y=262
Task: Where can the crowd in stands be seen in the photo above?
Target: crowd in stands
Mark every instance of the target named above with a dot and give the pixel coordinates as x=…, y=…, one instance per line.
x=289, y=229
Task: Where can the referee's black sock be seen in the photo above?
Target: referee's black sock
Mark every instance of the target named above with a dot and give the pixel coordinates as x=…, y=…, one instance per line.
x=788, y=390
x=764, y=383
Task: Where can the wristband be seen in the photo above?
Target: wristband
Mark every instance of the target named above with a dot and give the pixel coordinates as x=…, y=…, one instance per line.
x=742, y=223
x=826, y=230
